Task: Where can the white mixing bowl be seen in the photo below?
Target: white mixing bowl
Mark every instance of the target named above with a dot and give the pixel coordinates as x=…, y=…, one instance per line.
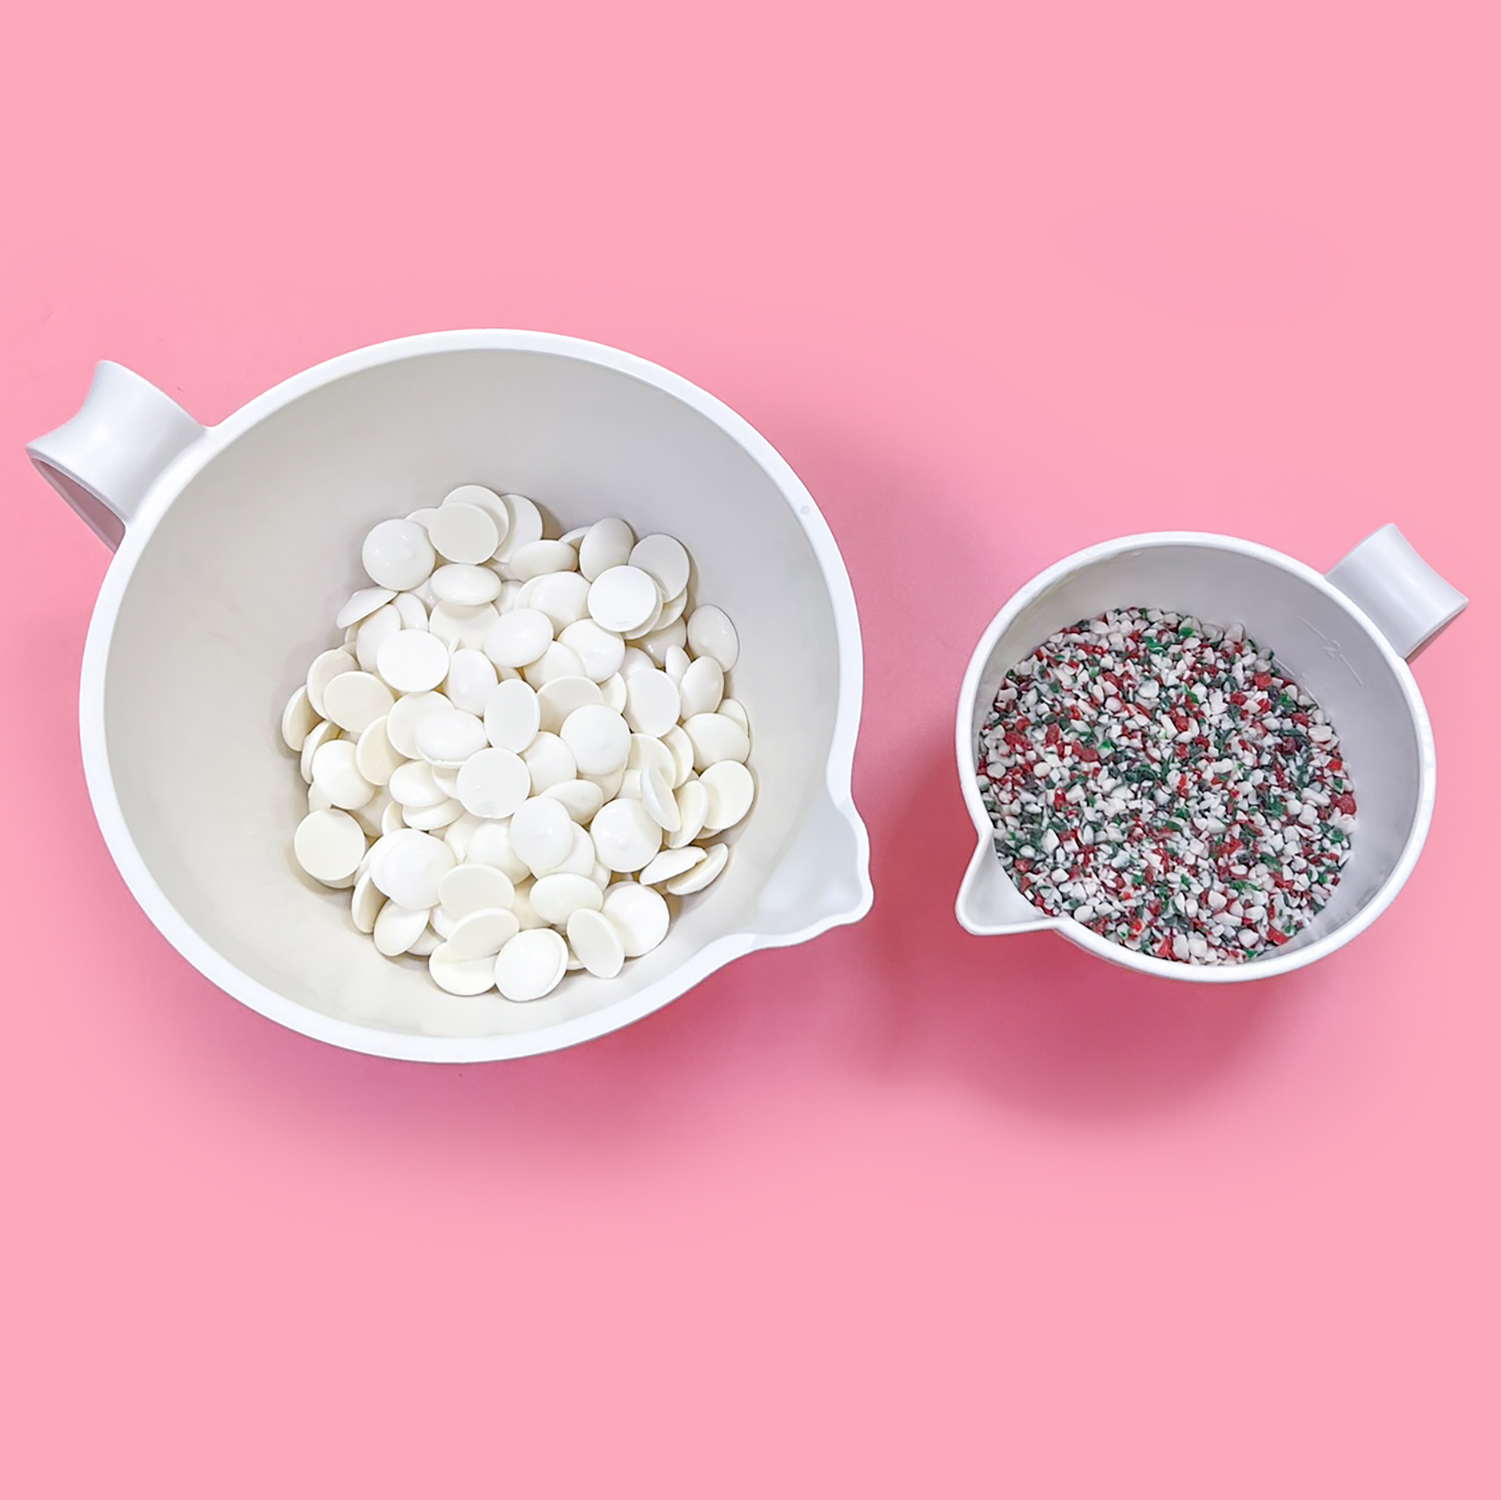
x=1345, y=637
x=237, y=544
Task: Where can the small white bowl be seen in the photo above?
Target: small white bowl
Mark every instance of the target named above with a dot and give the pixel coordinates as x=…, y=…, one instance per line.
x=1344, y=637
x=237, y=544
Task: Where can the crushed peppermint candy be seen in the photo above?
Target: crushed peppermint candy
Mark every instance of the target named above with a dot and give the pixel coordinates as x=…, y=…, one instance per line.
x=1165, y=783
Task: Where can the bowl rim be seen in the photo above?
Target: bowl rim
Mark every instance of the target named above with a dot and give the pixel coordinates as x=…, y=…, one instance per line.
x=373, y=1040
x=1092, y=942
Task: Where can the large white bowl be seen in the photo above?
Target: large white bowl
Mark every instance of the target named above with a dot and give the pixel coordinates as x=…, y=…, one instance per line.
x=236, y=545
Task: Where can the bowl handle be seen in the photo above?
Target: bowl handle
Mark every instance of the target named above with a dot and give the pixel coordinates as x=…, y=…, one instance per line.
x=104, y=459
x=1409, y=602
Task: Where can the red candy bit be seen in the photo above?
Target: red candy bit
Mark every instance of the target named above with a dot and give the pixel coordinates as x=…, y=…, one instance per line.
x=1277, y=937
x=1165, y=947
x=1262, y=679
x=1053, y=735
x=1346, y=804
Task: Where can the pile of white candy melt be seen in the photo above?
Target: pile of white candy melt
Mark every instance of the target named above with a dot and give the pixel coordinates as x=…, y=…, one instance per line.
x=520, y=744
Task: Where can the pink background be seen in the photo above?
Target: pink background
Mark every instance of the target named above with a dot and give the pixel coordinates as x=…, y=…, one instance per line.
x=902, y=1212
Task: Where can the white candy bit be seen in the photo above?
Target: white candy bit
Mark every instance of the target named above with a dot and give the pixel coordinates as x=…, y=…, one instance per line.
x=524, y=524
x=336, y=776
x=549, y=762
x=449, y=736
x=462, y=626
x=559, y=697
x=413, y=784
x=652, y=703
x=625, y=837
x=372, y=632
x=475, y=887
x=624, y=599
x=329, y=845
x=396, y=928
x=597, y=942
x=409, y=867
x=607, y=544
x=486, y=499
x=556, y=897
x=582, y=798
x=412, y=661
x=482, y=934
x=599, y=738
x=325, y=668
x=542, y=834
x=665, y=559
x=530, y=966
x=669, y=864
x=361, y=603
x=731, y=789
x=601, y=651
x=512, y=715
x=398, y=555
x=658, y=800
x=464, y=583
x=715, y=737
x=365, y=904
x=702, y=687
x=710, y=633
x=562, y=597
x=639, y=914
x=493, y=783
x=539, y=558
x=411, y=611
x=702, y=874
x=464, y=533
x=297, y=720
x=471, y=679
x=460, y=975
x=693, y=808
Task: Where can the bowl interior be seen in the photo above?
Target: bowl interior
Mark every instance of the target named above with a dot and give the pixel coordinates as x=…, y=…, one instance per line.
x=236, y=589
x=1315, y=637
